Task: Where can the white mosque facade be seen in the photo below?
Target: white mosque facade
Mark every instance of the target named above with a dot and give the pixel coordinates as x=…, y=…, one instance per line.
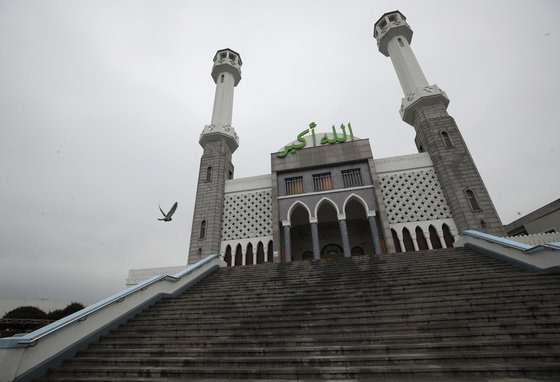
x=326, y=195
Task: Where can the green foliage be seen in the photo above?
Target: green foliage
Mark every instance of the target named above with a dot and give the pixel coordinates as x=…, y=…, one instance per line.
x=28, y=312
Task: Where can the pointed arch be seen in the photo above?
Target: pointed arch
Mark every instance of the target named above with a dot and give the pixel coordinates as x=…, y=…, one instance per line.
x=238, y=256
x=407, y=240
x=359, y=199
x=421, y=239
x=249, y=255
x=447, y=236
x=260, y=253
x=227, y=255
x=396, y=241
x=325, y=200
x=294, y=205
x=434, y=237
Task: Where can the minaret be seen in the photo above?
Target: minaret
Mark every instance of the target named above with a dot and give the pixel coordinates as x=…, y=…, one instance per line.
x=219, y=141
x=424, y=106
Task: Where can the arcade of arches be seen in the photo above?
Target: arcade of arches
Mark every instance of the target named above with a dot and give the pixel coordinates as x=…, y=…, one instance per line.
x=330, y=234
x=419, y=240
x=249, y=255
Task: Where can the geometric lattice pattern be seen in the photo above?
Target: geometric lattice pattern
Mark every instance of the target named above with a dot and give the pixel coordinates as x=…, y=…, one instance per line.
x=411, y=196
x=247, y=215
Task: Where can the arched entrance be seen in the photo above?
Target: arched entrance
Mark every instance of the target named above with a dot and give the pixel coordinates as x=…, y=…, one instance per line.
x=329, y=230
x=249, y=255
x=359, y=232
x=407, y=240
x=421, y=239
x=332, y=251
x=227, y=256
x=300, y=232
x=260, y=253
x=238, y=256
x=447, y=236
x=396, y=241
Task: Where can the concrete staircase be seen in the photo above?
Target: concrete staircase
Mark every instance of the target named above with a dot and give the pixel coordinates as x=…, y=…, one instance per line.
x=437, y=315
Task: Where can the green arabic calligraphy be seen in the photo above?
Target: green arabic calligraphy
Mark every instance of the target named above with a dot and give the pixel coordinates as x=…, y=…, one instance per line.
x=325, y=139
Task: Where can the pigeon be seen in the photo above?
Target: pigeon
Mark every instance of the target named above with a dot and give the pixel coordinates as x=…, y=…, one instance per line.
x=167, y=216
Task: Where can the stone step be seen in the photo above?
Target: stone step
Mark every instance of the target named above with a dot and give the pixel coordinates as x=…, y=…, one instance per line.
x=405, y=359
x=342, y=336
x=525, y=368
x=404, y=296
x=376, y=275
x=417, y=322
x=366, y=312
x=108, y=350
x=385, y=318
x=531, y=300
x=369, y=293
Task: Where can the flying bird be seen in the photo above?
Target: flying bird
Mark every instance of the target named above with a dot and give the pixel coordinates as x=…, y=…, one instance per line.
x=167, y=216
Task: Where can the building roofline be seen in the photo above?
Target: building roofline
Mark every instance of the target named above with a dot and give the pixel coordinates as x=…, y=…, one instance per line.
x=540, y=212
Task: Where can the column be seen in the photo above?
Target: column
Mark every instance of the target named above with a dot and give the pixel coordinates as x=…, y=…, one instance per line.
x=414, y=242
x=315, y=238
x=428, y=239
x=344, y=235
x=287, y=241
x=441, y=239
x=401, y=241
x=374, y=233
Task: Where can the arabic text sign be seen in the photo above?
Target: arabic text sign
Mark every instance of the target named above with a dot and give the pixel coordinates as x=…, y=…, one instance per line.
x=302, y=142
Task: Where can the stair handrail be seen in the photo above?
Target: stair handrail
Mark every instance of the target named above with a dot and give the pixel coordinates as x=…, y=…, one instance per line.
x=527, y=248
x=81, y=315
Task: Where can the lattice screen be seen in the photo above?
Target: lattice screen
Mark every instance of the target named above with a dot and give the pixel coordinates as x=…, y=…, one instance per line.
x=247, y=215
x=411, y=196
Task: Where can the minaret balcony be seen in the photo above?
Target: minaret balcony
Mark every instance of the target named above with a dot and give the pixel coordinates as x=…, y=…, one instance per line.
x=225, y=132
x=420, y=97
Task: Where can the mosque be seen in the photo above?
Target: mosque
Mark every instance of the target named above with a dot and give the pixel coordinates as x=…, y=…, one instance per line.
x=326, y=195
x=365, y=317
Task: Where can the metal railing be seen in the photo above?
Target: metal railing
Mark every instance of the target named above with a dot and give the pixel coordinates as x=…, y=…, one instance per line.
x=83, y=314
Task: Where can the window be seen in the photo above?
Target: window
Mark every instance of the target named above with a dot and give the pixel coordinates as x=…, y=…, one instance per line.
x=232, y=56
x=446, y=139
x=393, y=18
x=322, y=182
x=222, y=78
x=352, y=178
x=294, y=185
x=202, y=229
x=230, y=174
x=208, y=174
x=223, y=55
x=471, y=198
x=400, y=42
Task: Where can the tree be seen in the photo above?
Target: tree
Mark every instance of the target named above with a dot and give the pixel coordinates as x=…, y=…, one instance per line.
x=26, y=312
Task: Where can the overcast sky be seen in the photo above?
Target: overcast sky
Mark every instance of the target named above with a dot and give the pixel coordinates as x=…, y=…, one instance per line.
x=102, y=104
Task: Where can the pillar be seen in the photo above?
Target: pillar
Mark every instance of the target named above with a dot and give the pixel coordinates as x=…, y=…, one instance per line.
x=374, y=233
x=344, y=235
x=287, y=241
x=315, y=238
